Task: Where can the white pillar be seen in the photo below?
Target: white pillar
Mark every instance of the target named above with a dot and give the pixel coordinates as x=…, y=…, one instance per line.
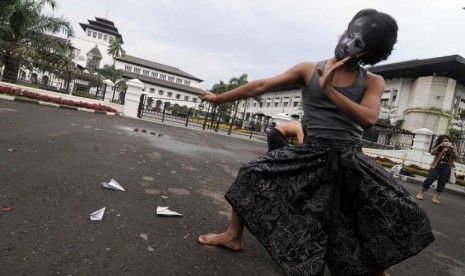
x=108, y=90
x=422, y=140
x=131, y=100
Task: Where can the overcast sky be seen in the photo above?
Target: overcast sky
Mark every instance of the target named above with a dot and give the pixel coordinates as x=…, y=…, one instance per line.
x=219, y=39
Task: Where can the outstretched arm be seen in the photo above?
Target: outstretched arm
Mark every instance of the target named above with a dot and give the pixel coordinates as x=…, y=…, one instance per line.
x=367, y=112
x=293, y=76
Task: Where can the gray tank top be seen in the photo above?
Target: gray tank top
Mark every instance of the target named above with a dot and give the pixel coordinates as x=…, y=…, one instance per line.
x=321, y=116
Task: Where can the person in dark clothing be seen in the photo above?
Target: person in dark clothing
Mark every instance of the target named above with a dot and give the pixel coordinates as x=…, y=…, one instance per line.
x=325, y=202
x=445, y=154
x=278, y=136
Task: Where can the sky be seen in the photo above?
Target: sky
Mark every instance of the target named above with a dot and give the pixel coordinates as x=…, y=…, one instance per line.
x=220, y=39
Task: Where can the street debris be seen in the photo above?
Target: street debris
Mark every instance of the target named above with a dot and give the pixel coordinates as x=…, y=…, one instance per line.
x=97, y=215
x=144, y=236
x=164, y=211
x=7, y=208
x=113, y=185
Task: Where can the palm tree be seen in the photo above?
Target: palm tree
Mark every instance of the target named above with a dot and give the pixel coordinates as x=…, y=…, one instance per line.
x=111, y=73
x=115, y=49
x=27, y=33
x=6, y=7
x=115, y=75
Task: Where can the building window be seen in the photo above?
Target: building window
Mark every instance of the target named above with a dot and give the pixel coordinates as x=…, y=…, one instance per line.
x=178, y=96
x=137, y=70
x=94, y=34
x=295, y=104
x=99, y=36
x=186, y=82
x=285, y=104
x=152, y=90
x=128, y=68
x=163, y=76
x=178, y=80
x=268, y=104
x=194, y=99
x=254, y=104
x=160, y=92
x=105, y=37
x=171, y=79
x=384, y=102
x=170, y=94
x=276, y=104
x=110, y=39
x=186, y=98
x=145, y=72
x=154, y=75
x=89, y=33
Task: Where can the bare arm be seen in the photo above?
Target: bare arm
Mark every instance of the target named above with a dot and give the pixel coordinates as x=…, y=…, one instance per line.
x=293, y=76
x=367, y=112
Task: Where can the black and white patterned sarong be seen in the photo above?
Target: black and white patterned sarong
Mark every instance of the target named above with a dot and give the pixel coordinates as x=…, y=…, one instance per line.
x=326, y=202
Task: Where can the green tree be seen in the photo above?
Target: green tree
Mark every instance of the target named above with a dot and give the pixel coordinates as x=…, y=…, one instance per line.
x=115, y=49
x=115, y=75
x=27, y=33
x=110, y=72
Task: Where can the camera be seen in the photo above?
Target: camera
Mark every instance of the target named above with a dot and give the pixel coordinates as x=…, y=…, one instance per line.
x=447, y=144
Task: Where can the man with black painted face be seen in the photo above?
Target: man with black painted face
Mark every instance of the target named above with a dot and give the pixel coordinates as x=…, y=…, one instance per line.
x=325, y=202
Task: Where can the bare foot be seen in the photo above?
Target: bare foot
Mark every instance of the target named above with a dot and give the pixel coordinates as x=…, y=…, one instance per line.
x=223, y=239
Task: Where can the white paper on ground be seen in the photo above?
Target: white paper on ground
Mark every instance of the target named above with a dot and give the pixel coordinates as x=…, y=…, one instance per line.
x=97, y=215
x=164, y=211
x=113, y=185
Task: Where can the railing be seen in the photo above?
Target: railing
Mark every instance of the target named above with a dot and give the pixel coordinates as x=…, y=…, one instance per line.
x=204, y=116
x=387, y=138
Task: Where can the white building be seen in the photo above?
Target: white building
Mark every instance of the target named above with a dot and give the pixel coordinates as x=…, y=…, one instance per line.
x=287, y=102
x=427, y=92
x=163, y=83
x=91, y=47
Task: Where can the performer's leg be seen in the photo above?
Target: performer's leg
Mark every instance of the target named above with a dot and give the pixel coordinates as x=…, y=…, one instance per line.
x=231, y=238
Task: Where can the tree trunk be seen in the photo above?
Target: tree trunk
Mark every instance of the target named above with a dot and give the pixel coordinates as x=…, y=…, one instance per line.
x=10, y=73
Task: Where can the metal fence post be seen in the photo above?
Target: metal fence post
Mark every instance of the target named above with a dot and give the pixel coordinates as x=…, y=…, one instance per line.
x=163, y=116
x=187, y=117
x=251, y=128
x=431, y=143
x=206, y=117
x=218, y=122
x=213, y=118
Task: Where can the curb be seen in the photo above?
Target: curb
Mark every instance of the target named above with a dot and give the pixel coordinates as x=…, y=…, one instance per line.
x=30, y=101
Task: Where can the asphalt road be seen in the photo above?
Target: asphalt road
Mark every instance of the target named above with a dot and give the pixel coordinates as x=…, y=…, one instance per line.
x=52, y=163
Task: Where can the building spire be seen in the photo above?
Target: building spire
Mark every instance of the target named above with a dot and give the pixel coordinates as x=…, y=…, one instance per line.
x=106, y=15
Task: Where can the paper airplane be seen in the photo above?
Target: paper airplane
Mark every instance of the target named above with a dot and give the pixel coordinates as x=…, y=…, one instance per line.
x=113, y=185
x=97, y=215
x=164, y=211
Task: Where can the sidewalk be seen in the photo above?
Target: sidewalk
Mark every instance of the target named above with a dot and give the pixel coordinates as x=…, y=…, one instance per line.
x=418, y=179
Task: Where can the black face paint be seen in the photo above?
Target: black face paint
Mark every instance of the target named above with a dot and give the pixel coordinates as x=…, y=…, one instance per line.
x=354, y=41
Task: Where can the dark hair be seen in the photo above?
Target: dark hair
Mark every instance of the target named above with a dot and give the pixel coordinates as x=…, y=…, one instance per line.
x=383, y=37
x=440, y=138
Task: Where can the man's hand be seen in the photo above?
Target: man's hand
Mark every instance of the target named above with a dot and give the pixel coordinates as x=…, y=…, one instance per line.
x=326, y=78
x=208, y=96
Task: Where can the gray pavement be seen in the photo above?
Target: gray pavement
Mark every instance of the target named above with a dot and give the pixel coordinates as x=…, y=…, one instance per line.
x=53, y=162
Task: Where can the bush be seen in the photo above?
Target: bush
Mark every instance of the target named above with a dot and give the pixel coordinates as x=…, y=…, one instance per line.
x=45, y=98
